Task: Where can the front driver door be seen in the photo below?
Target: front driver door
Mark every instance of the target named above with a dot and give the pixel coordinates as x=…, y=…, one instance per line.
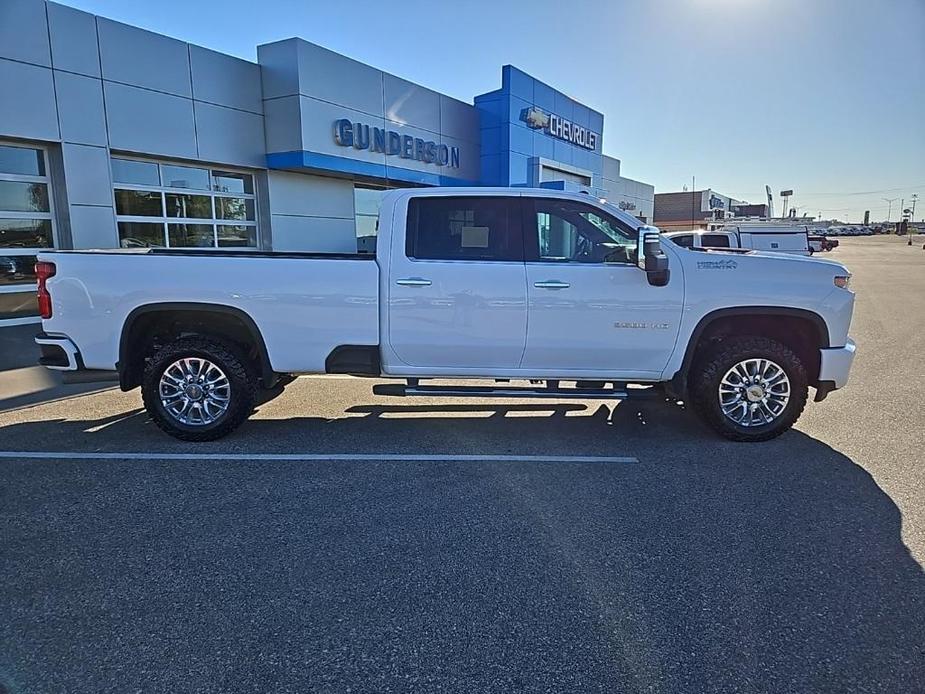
x=590, y=307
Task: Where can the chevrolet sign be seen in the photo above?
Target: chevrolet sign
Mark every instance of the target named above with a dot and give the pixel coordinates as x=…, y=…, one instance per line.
x=551, y=124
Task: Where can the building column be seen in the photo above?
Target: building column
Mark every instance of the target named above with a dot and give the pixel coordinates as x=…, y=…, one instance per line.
x=87, y=215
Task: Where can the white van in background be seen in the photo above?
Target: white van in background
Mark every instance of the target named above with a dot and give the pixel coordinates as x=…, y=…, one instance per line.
x=756, y=237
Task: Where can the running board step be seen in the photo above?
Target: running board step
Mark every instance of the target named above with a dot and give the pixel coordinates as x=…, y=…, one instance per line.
x=398, y=390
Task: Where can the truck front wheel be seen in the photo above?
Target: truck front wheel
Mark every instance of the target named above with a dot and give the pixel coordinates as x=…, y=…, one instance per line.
x=198, y=389
x=749, y=388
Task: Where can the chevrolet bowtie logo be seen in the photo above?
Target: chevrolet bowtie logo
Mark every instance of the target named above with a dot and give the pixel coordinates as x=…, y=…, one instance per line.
x=535, y=118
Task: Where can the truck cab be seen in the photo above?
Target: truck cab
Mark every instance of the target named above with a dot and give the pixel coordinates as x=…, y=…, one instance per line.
x=518, y=284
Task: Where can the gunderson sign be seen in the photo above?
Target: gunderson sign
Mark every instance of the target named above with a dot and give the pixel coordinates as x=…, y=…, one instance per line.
x=390, y=142
x=557, y=126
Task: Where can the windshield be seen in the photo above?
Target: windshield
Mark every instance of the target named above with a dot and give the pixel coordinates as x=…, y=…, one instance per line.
x=624, y=216
x=613, y=231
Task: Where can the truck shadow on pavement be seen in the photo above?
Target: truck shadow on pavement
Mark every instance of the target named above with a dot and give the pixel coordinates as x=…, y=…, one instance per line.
x=707, y=566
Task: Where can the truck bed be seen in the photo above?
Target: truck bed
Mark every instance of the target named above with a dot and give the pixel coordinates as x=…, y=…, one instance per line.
x=306, y=304
x=219, y=252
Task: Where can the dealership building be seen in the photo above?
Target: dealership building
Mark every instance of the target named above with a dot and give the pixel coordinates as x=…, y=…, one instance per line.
x=113, y=136
x=700, y=209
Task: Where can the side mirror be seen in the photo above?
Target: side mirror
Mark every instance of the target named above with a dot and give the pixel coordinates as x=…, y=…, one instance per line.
x=652, y=258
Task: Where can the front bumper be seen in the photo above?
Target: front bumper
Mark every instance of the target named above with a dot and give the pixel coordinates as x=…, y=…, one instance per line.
x=835, y=364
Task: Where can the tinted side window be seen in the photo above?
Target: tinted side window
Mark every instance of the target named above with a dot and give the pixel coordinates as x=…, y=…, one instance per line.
x=570, y=231
x=464, y=228
x=685, y=241
x=715, y=241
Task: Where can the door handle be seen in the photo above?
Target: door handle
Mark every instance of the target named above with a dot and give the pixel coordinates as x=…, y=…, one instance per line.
x=551, y=284
x=413, y=282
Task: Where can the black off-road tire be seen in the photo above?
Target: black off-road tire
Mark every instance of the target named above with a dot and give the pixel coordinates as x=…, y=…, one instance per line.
x=228, y=358
x=709, y=370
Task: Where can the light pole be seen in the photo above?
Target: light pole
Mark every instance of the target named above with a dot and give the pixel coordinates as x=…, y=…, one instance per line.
x=785, y=194
x=915, y=196
x=693, y=199
x=889, y=210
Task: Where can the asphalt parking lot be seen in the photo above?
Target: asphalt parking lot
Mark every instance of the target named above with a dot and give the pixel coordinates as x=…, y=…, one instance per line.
x=421, y=545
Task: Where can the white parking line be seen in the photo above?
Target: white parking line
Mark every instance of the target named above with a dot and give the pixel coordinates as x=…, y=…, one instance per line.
x=310, y=457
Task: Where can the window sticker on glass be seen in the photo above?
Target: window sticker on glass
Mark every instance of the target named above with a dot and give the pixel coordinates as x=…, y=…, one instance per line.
x=475, y=237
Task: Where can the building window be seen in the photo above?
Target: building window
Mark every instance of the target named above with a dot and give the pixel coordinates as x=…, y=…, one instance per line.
x=366, y=201
x=26, y=227
x=179, y=206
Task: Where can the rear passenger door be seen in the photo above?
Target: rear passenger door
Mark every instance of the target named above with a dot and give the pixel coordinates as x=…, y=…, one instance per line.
x=457, y=285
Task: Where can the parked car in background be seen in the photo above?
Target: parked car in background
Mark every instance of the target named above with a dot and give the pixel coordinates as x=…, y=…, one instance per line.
x=821, y=242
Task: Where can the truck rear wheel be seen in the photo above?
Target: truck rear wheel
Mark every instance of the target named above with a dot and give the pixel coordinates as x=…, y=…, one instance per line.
x=198, y=389
x=749, y=388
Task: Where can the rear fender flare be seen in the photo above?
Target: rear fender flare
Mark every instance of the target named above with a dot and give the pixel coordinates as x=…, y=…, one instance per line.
x=267, y=375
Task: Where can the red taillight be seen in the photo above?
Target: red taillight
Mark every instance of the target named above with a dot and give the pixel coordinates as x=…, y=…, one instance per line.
x=43, y=271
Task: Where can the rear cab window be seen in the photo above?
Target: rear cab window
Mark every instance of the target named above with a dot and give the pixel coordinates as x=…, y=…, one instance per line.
x=715, y=241
x=464, y=228
x=686, y=241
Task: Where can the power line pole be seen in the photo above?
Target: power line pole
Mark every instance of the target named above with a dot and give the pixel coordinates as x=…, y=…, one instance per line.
x=889, y=210
x=915, y=197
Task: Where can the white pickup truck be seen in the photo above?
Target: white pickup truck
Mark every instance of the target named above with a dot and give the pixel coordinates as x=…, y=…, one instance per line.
x=557, y=289
x=777, y=238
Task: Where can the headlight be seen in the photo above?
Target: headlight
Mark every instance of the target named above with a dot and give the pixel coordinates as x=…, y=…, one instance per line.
x=842, y=281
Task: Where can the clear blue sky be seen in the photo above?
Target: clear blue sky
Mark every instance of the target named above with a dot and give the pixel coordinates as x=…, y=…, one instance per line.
x=823, y=96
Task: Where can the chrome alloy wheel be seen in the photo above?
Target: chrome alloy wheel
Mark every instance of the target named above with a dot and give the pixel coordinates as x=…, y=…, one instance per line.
x=194, y=391
x=754, y=392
